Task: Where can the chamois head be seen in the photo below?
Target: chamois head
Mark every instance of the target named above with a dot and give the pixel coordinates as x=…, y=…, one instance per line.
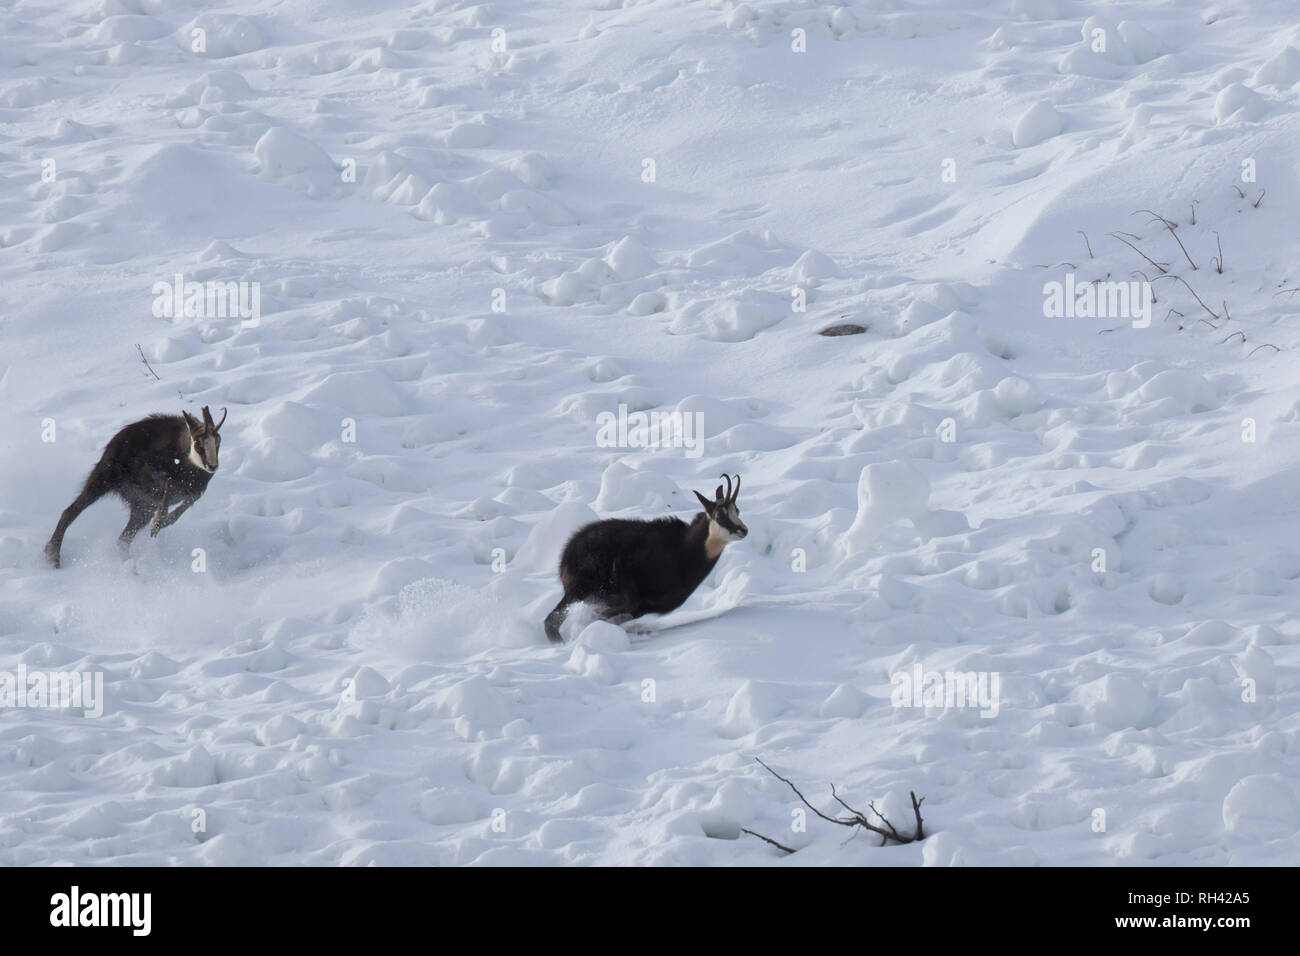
x=724, y=517
x=205, y=439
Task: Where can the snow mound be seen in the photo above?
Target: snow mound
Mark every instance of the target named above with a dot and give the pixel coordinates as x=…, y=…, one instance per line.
x=751, y=707
x=629, y=259
x=1262, y=807
x=887, y=492
x=283, y=154
x=1238, y=103
x=1281, y=70
x=1036, y=125
x=1117, y=701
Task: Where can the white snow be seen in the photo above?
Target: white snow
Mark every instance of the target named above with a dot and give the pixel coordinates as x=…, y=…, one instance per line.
x=1263, y=807
x=473, y=247
x=1040, y=122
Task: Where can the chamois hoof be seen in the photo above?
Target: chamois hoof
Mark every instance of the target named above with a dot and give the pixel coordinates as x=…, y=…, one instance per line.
x=52, y=555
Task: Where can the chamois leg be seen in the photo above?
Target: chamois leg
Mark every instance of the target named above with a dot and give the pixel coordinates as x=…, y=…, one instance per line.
x=168, y=519
x=156, y=522
x=556, y=618
x=95, y=488
x=619, y=607
x=139, y=518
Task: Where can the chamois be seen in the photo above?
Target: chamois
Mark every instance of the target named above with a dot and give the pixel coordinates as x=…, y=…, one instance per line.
x=152, y=464
x=628, y=568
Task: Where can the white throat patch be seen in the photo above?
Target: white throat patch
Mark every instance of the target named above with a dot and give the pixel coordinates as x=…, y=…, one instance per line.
x=717, y=539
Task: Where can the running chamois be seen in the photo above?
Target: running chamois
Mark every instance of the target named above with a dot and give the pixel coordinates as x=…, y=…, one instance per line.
x=152, y=464
x=629, y=568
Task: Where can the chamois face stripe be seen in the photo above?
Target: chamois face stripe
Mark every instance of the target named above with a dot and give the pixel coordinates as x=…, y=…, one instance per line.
x=727, y=517
x=204, y=450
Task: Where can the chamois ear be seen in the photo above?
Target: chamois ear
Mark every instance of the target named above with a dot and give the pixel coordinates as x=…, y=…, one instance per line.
x=194, y=424
x=708, y=505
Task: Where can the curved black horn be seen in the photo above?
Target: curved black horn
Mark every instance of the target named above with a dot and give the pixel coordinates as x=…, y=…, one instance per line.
x=736, y=491
x=223, y=421
x=727, y=479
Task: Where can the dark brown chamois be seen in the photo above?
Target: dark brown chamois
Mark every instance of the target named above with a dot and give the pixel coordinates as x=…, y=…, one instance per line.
x=629, y=568
x=152, y=464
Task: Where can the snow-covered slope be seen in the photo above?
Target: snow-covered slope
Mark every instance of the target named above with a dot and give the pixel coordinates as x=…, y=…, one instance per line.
x=476, y=230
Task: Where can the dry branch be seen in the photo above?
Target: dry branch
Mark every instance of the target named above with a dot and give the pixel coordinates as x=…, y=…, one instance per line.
x=887, y=832
x=146, y=361
x=1171, y=226
x=1196, y=297
x=1137, y=250
x=779, y=846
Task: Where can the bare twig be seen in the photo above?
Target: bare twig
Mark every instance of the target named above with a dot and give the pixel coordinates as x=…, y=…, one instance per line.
x=1239, y=192
x=1171, y=226
x=1218, y=260
x=1182, y=247
x=1150, y=284
x=1266, y=345
x=1238, y=332
x=1138, y=251
x=843, y=823
x=1155, y=214
x=886, y=832
x=1197, y=297
x=1194, y=212
x=146, y=362
x=1087, y=243
x=779, y=846
x=1261, y=196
